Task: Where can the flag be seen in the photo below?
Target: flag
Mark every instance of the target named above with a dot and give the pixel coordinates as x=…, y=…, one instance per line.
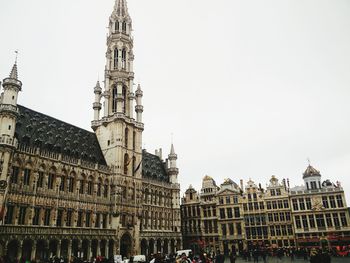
x=138, y=167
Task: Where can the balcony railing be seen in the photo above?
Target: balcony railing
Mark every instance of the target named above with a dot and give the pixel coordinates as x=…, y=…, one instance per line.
x=57, y=231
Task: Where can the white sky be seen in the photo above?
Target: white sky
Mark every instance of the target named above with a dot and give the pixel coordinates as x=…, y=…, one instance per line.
x=249, y=88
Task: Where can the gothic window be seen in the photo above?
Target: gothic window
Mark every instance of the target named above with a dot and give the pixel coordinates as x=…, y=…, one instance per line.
x=9, y=214
x=99, y=187
x=14, y=174
x=50, y=181
x=105, y=189
x=116, y=26
x=26, y=178
x=133, y=140
x=47, y=217
x=104, y=221
x=89, y=187
x=124, y=98
x=126, y=137
x=63, y=183
x=124, y=27
x=36, y=216
x=59, y=217
x=116, y=58
x=71, y=183
x=126, y=163
x=114, y=98
x=124, y=58
x=22, y=215
x=40, y=181
x=88, y=219
x=133, y=165
x=97, y=221
x=69, y=217
x=82, y=186
x=80, y=219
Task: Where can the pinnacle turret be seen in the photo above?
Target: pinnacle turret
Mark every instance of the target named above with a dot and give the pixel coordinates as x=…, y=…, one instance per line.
x=121, y=8
x=14, y=72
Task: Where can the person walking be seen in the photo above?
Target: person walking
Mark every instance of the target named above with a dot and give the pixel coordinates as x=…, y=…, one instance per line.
x=233, y=256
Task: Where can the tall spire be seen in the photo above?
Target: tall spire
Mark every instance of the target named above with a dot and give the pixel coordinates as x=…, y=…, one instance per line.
x=14, y=72
x=121, y=8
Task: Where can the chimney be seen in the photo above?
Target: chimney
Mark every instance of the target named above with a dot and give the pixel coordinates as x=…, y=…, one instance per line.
x=241, y=181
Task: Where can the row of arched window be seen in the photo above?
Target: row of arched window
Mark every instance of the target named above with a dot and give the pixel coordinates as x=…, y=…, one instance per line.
x=120, y=26
x=116, y=58
x=115, y=99
x=157, y=220
x=64, y=182
x=157, y=198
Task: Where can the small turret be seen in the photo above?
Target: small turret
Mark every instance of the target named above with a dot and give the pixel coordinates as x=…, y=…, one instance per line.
x=173, y=170
x=97, y=104
x=8, y=107
x=139, y=107
x=312, y=178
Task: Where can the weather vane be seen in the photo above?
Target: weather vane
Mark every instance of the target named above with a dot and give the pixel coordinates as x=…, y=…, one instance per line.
x=308, y=160
x=16, y=51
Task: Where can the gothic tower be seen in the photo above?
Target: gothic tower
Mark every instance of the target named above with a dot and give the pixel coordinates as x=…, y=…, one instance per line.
x=8, y=117
x=118, y=132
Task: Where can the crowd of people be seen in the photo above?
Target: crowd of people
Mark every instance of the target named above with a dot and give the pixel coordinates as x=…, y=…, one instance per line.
x=256, y=254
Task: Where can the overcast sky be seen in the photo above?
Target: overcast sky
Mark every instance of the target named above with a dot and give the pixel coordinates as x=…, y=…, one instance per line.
x=249, y=89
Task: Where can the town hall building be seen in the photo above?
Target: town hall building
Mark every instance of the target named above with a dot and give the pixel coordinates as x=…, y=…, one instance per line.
x=66, y=191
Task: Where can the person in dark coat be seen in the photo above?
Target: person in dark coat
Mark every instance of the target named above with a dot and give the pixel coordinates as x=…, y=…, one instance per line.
x=233, y=256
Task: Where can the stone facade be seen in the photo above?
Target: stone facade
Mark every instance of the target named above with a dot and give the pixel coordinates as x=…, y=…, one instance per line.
x=69, y=192
x=236, y=217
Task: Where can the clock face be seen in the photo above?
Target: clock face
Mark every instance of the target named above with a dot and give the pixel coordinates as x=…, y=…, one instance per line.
x=3, y=184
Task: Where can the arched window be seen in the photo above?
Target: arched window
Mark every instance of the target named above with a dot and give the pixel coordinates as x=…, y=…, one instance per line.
x=116, y=26
x=133, y=165
x=90, y=186
x=14, y=174
x=99, y=187
x=27, y=176
x=116, y=58
x=51, y=179
x=114, y=98
x=133, y=140
x=126, y=137
x=124, y=27
x=124, y=97
x=40, y=180
x=63, y=182
x=126, y=163
x=71, y=183
x=82, y=186
x=105, y=189
x=123, y=58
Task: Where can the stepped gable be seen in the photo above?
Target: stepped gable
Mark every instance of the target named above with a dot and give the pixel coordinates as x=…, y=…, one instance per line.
x=153, y=167
x=38, y=130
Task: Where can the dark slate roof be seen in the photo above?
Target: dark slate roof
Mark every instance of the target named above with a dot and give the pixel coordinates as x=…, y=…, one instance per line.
x=310, y=172
x=153, y=167
x=35, y=129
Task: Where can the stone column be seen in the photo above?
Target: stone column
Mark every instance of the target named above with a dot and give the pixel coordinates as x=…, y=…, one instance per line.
x=20, y=247
x=33, y=255
x=106, y=249
x=69, y=252
x=88, y=255
x=113, y=247
x=59, y=243
x=98, y=251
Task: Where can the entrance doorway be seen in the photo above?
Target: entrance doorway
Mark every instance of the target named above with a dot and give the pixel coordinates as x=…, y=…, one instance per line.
x=125, y=245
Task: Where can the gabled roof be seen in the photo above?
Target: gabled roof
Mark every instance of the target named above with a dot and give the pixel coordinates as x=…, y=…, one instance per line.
x=153, y=167
x=38, y=130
